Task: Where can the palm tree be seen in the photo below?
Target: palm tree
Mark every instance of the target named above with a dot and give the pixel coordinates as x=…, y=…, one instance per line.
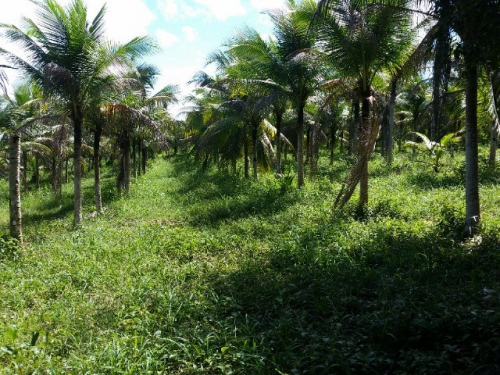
x=17, y=114
x=68, y=55
x=362, y=39
x=266, y=69
x=476, y=24
x=300, y=64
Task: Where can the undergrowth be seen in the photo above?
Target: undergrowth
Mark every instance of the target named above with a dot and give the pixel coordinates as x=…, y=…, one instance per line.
x=212, y=273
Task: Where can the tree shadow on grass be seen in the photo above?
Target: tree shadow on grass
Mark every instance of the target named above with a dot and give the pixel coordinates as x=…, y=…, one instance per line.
x=404, y=304
x=218, y=196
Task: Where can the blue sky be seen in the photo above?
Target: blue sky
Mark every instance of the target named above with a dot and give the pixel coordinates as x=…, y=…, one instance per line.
x=186, y=30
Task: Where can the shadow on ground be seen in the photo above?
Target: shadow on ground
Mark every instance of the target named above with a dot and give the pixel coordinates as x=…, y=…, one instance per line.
x=405, y=305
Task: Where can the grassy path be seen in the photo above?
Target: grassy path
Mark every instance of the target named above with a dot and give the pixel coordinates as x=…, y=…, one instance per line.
x=214, y=274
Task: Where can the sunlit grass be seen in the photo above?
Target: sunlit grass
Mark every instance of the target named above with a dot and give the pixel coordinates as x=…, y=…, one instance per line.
x=212, y=273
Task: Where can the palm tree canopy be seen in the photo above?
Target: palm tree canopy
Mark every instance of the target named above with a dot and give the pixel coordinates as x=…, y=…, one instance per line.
x=67, y=54
x=363, y=37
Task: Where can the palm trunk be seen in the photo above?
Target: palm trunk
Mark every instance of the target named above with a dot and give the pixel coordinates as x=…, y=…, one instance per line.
x=97, y=169
x=354, y=130
x=25, y=171
x=144, y=159
x=279, y=119
x=139, y=158
x=234, y=165
x=333, y=130
x=254, y=150
x=126, y=164
x=300, y=145
x=308, y=144
x=247, y=164
x=314, y=149
x=66, y=162
x=390, y=128
x=15, y=222
x=37, y=172
x=364, y=152
x=134, y=158
x=472, y=208
x=77, y=164
x=495, y=126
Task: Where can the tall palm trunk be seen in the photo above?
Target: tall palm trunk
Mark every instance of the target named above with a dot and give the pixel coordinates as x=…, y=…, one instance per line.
x=390, y=128
x=279, y=120
x=24, y=159
x=37, y=172
x=139, y=158
x=144, y=159
x=126, y=164
x=354, y=129
x=15, y=222
x=245, y=156
x=300, y=145
x=134, y=158
x=364, y=151
x=77, y=164
x=472, y=207
x=333, y=130
x=495, y=125
x=97, y=168
x=254, y=150
x=234, y=165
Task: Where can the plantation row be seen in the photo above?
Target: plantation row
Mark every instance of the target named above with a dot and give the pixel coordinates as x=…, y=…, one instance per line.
x=334, y=73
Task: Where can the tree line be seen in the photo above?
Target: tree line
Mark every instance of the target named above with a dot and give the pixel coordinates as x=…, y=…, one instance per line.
x=352, y=73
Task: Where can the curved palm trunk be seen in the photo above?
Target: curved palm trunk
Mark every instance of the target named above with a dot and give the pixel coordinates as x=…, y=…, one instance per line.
x=15, y=222
x=77, y=163
x=472, y=208
x=97, y=169
x=300, y=145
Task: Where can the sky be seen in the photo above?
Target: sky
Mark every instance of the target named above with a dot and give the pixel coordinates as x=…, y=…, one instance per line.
x=187, y=31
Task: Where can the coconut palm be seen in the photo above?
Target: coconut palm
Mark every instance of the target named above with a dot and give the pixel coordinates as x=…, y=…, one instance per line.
x=476, y=24
x=17, y=114
x=68, y=55
x=362, y=39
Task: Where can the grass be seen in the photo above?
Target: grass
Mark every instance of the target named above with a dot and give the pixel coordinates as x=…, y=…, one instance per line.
x=211, y=273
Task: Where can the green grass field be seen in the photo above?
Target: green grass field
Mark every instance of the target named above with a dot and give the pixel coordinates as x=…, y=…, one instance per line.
x=214, y=274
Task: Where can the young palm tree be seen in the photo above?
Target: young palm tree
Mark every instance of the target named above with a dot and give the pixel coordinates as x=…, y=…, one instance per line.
x=68, y=55
x=362, y=39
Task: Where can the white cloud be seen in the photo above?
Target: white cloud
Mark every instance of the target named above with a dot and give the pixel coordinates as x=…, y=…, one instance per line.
x=190, y=33
x=166, y=39
x=170, y=8
x=261, y=5
x=223, y=9
x=123, y=22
